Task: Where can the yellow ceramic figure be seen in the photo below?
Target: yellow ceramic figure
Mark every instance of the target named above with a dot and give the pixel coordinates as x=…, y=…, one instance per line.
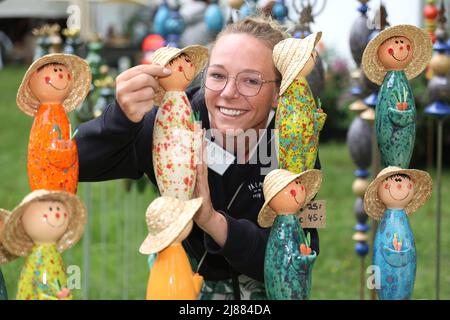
x=169, y=222
x=298, y=119
x=173, y=133
x=40, y=228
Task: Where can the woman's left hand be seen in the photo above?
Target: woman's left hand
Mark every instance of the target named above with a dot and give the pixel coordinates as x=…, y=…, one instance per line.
x=204, y=214
x=208, y=219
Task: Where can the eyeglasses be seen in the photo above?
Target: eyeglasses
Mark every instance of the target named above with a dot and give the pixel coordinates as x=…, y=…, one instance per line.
x=248, y=83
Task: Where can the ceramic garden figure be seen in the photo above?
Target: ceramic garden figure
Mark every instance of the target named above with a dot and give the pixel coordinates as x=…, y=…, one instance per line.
x=289, y=259
x=53, y=85
x=5, y=256
x=42, y=226
x=392, y=197
x=173, y=133
x=169, y=222
x=396, y=55
x=298, y=119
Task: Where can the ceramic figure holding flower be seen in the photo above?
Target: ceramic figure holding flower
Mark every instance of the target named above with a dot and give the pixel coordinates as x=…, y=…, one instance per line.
x=52, y=86
x=396, y=55
x=42, y=226
x=298, y=119
x=394, y=195
x=289, y=259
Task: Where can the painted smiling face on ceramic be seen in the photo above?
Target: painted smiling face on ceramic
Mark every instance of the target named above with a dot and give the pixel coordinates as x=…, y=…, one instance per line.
x=396, y=191
x=46, y=221
x=183, y=72
x=51, y=83
x=395, y=53
x=290, y=199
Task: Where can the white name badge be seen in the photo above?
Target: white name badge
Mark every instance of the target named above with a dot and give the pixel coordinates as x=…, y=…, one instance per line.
x=218, y=158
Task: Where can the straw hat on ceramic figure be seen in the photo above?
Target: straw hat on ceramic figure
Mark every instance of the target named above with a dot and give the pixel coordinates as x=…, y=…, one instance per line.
x=276, y=181
x=197, y=54
x=80, y=74
x=166, y=218
x=5, y=255
x=421, y=46
x=291, y=55
x=423, y=185
x=18, y=242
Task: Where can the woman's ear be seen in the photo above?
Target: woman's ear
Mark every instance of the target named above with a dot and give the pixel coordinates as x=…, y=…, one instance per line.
x=275, y=100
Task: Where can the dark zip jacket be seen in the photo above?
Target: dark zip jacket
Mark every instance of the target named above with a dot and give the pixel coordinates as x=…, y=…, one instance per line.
x=113, y=147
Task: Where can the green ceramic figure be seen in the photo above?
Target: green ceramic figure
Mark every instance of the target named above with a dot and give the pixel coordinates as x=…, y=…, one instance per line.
x=289, y=259
x=394, y=56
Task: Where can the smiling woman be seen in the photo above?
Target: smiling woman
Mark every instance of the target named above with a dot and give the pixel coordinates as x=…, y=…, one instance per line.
x=240, y=89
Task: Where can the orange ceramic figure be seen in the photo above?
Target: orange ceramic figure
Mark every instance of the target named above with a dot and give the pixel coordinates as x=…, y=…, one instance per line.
x=169, y=222
x=53, y=85
x=173, y=134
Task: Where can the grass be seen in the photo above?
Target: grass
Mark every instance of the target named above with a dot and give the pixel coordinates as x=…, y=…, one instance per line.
x=116, y=270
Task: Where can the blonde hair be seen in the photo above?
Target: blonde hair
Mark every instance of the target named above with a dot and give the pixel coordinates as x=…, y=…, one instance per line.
x=263, y=28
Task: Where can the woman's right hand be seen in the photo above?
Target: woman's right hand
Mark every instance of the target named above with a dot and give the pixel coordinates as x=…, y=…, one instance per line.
x=136, y=87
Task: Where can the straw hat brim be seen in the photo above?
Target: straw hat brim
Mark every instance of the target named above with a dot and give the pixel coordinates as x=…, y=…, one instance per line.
x=422, y=52
x=311, y=179
x=19, y=243
x=199, y=56
x=81, y=76
x=290, y=56
x=154, y=243
x=423, y=185
x=5, y=255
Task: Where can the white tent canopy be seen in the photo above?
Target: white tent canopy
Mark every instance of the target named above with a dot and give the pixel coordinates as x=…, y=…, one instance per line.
x=32, y=9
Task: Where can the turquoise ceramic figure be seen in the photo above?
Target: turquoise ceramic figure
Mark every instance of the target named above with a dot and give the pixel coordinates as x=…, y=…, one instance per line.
x=298, y=119
x=289, y=259
x=392, y=196
x=393, y=57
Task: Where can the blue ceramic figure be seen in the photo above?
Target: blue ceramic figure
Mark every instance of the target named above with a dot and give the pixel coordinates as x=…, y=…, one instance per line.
x=289, y=259
x=393, y=196
x=393, y=57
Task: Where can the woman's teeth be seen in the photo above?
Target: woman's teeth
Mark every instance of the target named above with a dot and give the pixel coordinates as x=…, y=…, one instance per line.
x=231, y=112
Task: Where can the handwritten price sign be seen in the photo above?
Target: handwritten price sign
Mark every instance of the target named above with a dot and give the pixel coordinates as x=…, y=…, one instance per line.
x=313, y=215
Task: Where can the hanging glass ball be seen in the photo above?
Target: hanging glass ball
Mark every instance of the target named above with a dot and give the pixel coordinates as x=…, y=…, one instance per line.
x=279, y=10
x=175, y=23
x=214, y=19
x=160, y=19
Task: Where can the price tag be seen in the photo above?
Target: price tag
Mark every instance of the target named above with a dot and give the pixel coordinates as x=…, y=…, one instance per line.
x=313, y=215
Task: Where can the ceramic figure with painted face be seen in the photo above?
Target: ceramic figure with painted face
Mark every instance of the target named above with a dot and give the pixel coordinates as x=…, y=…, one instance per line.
x=40, y=228
x=174, y=140
x=298, y=119
x=392, y=197
x=53, y=85
x=169, y=222
x=393, y=57
x=289, y=259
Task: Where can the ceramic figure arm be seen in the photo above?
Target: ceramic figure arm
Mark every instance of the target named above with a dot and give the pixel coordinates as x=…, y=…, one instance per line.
x=402, y=118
